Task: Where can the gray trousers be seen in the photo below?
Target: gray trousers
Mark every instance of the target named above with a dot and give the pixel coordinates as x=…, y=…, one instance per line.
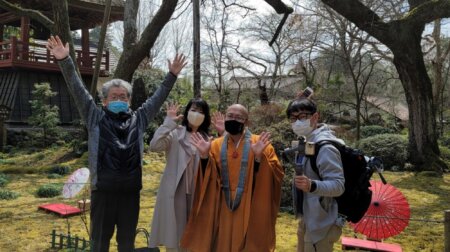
x=324, y=245
x=110, y=209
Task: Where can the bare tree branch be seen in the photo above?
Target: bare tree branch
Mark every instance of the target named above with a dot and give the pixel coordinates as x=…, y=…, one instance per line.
x=33, y=14
x=133, y=55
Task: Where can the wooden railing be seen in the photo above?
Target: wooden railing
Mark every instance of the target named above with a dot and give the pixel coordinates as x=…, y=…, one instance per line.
x=35, y=55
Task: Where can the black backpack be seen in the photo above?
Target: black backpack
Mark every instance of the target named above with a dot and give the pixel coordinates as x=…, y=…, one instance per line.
x=355, y=200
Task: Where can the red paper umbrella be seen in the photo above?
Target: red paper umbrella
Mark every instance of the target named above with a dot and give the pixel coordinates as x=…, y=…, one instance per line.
x=388, y=213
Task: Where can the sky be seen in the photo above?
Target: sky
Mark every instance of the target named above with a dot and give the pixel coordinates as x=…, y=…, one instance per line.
x=264, y=8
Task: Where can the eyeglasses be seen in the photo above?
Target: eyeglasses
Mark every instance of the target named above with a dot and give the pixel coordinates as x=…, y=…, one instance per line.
x=299, y=116
x=235, y=117
x=118, y=98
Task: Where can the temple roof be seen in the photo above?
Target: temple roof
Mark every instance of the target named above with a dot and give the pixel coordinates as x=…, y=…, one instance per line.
x=82, y=13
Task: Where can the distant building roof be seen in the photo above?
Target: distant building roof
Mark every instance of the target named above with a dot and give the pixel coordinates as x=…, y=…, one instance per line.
x=103, y=2
x=399, y=110
x=251, y=82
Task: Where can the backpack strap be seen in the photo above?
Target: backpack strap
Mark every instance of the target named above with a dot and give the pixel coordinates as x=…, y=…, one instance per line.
x=313, y=158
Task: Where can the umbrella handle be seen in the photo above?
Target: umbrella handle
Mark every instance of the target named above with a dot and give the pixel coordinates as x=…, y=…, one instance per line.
x=382, y=178
x=376, y=164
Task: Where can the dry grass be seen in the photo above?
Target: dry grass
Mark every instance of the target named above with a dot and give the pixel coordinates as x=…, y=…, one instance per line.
x=24, y=228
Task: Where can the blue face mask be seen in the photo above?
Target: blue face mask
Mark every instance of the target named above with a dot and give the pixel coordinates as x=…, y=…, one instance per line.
x=118, y=106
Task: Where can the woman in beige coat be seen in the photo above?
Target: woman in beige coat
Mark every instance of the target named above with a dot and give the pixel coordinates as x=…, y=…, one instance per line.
x=174, y=198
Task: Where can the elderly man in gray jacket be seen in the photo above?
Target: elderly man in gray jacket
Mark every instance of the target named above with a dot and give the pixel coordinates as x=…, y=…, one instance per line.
x=320, y=225
x=115, y=148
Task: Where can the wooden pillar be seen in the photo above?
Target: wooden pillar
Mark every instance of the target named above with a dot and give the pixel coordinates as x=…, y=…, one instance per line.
x=1, y=32
x=24, y=36
x=4, y=115
x=85, y=58
x=14, y=48
x=447, y=230
x=2, y=135
x=107, y=61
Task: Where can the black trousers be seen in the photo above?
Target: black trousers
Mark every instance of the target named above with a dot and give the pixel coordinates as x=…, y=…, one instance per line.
x=110, y=209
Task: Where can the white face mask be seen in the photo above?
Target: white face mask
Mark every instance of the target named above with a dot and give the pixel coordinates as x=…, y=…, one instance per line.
x=195, y=118
x=302, y=127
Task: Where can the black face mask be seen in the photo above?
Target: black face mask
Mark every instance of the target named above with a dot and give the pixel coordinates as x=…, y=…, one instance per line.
x=234, y=127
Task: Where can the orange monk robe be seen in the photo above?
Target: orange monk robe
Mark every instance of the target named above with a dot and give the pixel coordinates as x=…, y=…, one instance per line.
x=213, y=226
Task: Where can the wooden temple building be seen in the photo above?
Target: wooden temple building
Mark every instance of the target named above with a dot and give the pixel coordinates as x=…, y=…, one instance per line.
x=24, y=59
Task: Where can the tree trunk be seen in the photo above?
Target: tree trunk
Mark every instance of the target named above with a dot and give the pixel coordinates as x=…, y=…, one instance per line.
x=62, y=26
x=403, y=37
x=139, y=94
x=100, y=45
x=423, y=146
x=438, y=73
x=263, y=96
x=196, y=49
x=358, y=117
x=134, y=53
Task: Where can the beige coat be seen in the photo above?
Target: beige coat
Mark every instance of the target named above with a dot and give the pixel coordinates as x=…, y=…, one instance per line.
x=173, y=203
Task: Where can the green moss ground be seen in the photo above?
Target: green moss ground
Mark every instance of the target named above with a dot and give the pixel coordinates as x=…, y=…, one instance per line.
x=25, y=228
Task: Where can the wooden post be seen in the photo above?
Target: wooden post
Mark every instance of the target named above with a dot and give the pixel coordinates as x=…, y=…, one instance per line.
x=4, y=115
x=25, y=36
x=84, y=244
x=196, y=36
x=447, y=230
x=69, y=241
x=61, y=241
x=53, y=238
x=107, y=61
x=101, y=43
x=13, y=49
x=85, y=50
x=1, y=32
x=2, y=135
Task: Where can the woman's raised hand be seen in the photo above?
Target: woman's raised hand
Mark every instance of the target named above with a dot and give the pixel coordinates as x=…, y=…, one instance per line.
x=172, y=111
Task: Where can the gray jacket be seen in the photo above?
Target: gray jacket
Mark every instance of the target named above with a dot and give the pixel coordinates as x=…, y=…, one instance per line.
x=320, y=209
x=91, y=114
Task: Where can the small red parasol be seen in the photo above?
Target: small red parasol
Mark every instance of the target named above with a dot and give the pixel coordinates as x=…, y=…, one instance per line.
x=388, y=213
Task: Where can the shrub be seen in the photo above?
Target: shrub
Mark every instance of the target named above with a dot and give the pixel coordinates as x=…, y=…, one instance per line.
x=3, y=180
x=6, y=215
x=266, y=115
x=429, y=174
x=445, y=154
x=79, y=146
x=390, y=147
x=54, y=176
x=5, y=161
x=446, y=142
x=372, y=130
x=8, y=195
x=43, y=114
x=281, y=137
x=40, y=156
x=49, y=191
x=286, y=204
x=59, y=169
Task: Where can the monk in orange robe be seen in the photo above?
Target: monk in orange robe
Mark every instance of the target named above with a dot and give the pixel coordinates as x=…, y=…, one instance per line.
x=238, y=190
